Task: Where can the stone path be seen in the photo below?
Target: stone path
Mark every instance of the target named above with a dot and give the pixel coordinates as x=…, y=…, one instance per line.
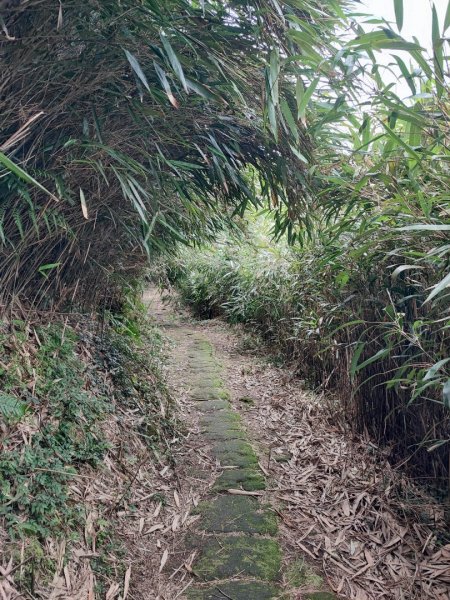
x=238, y=555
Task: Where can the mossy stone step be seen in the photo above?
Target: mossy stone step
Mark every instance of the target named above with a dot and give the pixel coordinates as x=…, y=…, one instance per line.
x=213, y=405
x=224, y=418
x=223, y=425
x=237, y=590
x=203, y=378
x=220, y=432
x=228, y=514
x=235, y=453
x=205, y=394
x=211, y=382
x=204, y=367
x=247, y=479
x=243, y=556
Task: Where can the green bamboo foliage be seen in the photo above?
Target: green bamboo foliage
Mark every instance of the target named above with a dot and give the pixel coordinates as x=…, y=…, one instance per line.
x=127, y=127
x=360, y=303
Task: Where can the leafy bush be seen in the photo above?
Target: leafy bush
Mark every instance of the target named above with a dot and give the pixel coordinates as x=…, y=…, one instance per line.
x=34, y=477
x=126, y=127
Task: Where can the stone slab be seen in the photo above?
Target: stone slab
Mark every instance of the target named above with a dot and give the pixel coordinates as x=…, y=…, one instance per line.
x=235, y=453
x=247, y=479
x=228, y=514
x=237, y=590
x=223, y=432
x=213, y=405
x=246, y=556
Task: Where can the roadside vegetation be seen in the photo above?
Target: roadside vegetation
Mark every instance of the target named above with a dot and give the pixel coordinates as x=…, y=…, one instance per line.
x=81, y=401
x=357, y=300
x=125, y=128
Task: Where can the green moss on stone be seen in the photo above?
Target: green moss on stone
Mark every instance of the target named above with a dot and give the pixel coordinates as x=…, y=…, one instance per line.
x=247, y=479
x=225, y=417
x=247, y=400
x=220, y=432
x=224, y=394
x=213, y=405
x=235, y=453
x=299, y=574
x=227, y=514
x=241, y=555
x=202, y=346
x=237, y=590
x=204, y=395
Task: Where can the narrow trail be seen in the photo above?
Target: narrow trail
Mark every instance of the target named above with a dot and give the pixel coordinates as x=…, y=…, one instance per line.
x=237, y=552
x=276, y=497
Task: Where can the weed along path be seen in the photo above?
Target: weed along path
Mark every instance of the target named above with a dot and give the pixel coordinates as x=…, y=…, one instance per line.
x=283, y=503
x=238, y=555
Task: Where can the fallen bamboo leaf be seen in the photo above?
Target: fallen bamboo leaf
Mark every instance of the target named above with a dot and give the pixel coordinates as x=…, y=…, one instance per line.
x=176, y=523
x=244, y=493
x=126, y=584
x=112, y=592
x=154, y=528
x=164, y=558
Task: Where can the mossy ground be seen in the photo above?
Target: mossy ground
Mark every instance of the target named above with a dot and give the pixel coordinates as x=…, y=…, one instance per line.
x=243, y=556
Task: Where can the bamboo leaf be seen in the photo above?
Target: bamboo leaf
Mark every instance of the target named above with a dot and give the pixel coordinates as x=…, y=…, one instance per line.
x=378, y=356
x=19, y=172
x=406, y=74
x=165, y=84
x=84, y=208
x=447, y=18
x=441, y=286
x=289, y=118
x=383, y=39
x=274, y=75
x=299, y=93
x=137, y=69
x=174, y=61
x=438, y=53
x=398, y=6
x=435, y=368
x=446, y=394
x=307, y=97
x=420, y=227
x=400, y=142
x=403, y=268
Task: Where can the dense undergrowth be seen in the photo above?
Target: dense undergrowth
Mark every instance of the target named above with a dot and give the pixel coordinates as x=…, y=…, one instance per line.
x=359, y=301
x=127, y=128
x=66, y=390
x=348, y=321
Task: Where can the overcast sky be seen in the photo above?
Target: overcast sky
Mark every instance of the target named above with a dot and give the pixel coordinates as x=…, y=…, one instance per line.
x=417, y=16
x=417, y=23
